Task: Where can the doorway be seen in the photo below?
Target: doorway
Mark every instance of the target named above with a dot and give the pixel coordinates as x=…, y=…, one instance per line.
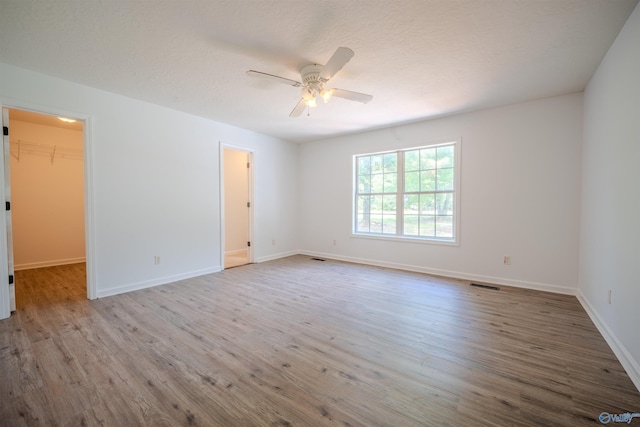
x=237, y=204
x=44, y=176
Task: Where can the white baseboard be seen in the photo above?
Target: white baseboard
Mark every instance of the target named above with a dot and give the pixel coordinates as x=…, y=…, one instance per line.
x=130, y=287
x=155, y=282
x=626, y=360
x=277, y=256
x=170, y=279
x=450, y=273
x=52, y=263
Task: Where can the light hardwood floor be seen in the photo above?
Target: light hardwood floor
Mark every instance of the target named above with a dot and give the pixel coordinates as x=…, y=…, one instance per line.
x=298, y=342
x=236, y=259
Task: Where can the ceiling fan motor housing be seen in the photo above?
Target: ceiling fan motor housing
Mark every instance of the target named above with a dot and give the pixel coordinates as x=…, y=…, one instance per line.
x=310, y=77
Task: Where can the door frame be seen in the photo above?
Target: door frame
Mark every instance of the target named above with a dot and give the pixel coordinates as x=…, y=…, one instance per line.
x=251, y=157
x=89, y=211
x=5, y=295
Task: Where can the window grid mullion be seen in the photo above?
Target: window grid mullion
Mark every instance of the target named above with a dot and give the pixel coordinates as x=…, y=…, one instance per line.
x=400, y=195
x=356, y=194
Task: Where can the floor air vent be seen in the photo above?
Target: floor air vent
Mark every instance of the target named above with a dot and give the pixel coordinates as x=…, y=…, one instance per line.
x=317, y=259
x=479, y=285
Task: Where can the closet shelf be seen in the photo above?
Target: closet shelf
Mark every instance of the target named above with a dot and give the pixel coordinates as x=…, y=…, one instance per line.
x=19, y=148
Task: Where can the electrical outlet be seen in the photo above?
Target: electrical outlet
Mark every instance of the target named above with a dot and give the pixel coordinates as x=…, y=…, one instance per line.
x=609, y=296
x=273, y=242
x=507, y=260
x=334, y=242
x=156, y=259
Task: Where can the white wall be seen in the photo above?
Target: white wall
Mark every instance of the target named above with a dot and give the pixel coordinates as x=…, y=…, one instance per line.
x=47, y=197
x=275, y=190
x=520, y=186
x=610, y=223
x=155, y=182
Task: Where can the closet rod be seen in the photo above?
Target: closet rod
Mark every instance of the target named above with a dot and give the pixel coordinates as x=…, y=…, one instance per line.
x=19, y=147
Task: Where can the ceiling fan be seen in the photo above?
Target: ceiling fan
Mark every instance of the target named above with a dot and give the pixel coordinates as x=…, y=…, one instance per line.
x=314, y=77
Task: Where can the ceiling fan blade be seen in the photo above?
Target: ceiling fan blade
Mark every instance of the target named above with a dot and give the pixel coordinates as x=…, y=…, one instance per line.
x=352, y=96
x=341, y=56
x=298, y=109
x=259, y=74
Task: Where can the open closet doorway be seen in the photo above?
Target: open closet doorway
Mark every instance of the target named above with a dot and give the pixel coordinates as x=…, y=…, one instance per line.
x=44, y=173
x=237, y=205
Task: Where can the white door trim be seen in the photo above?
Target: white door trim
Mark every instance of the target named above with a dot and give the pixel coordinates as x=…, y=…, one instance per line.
x=5, y=294
x=89, y=203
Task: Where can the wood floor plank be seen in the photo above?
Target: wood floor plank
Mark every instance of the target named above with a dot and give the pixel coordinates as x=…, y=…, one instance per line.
x=298, y=342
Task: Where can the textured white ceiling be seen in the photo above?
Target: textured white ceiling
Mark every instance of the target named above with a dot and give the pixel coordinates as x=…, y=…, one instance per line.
x=418, y=58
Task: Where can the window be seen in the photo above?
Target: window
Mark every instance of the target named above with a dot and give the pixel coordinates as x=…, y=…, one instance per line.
x=408, y=193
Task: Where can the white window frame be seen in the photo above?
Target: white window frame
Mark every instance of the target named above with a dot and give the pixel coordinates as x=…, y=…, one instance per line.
x=454, y=241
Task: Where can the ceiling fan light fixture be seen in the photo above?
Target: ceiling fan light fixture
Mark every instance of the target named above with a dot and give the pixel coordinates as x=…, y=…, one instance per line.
x=313, y=79
x=309, y=97
x=326, y=95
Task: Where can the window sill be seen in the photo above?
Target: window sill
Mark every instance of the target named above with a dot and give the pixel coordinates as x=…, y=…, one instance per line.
x=418, y=240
